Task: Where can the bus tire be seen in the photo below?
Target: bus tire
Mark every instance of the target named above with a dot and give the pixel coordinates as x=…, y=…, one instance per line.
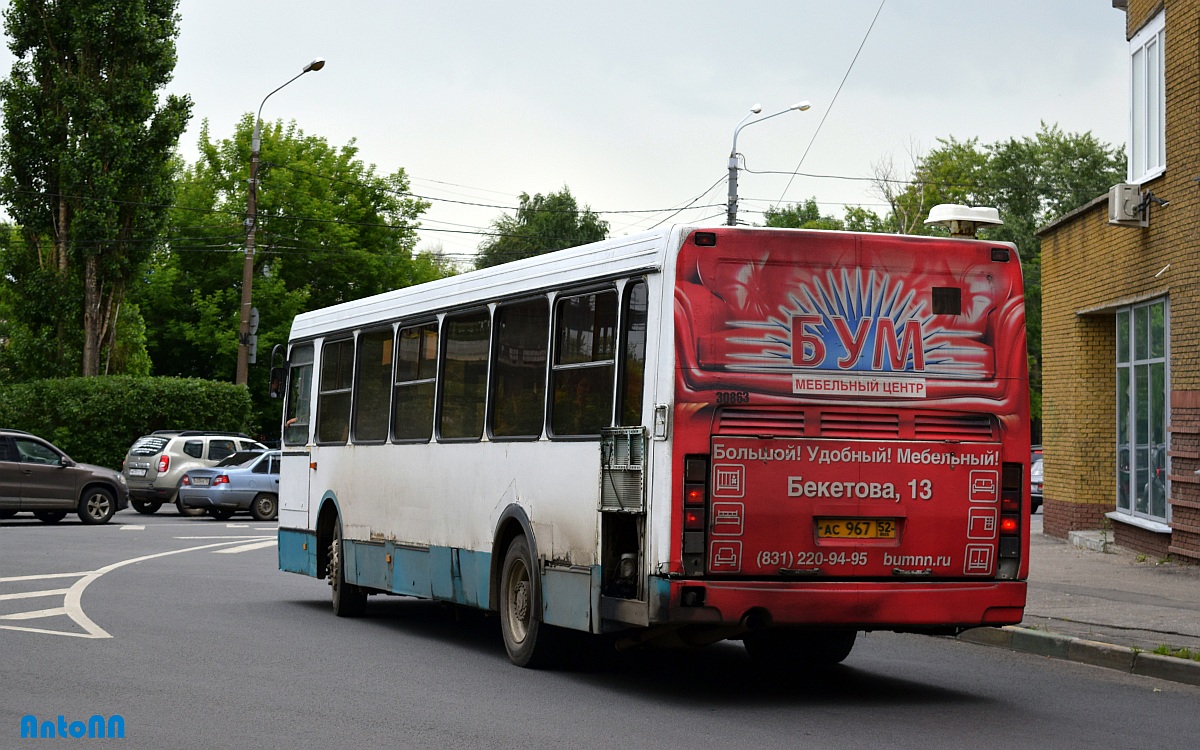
x=528, y=641
x=789, y=649
x=348, y=600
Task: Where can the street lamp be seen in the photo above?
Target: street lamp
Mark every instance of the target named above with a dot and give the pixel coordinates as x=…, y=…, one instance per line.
x=243, y=360
x=731, y=215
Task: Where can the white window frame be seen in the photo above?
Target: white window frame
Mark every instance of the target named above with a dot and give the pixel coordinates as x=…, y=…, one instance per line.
x=1145, y=518
x=1147, y=101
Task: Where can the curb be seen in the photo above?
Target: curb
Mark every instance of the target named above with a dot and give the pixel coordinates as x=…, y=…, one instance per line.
x=1083, y=651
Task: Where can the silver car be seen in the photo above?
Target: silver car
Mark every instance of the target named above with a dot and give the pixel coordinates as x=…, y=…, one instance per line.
x=248, y=480
x=156, y=463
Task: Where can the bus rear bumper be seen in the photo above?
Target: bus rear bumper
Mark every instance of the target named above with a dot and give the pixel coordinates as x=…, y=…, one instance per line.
x=864, y=605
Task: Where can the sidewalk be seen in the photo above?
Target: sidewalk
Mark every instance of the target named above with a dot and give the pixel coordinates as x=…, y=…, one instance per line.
x=1109, y=608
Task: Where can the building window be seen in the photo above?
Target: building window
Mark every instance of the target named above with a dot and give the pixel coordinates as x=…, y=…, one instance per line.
x=1147, y=111
x=1142, y=337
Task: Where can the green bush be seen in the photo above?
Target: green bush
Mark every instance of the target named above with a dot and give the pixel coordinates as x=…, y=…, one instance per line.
x=95, y=420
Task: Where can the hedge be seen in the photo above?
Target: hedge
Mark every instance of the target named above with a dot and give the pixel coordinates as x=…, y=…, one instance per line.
x=95, y=420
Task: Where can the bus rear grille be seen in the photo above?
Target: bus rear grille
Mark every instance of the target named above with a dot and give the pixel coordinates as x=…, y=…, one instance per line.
x=835, y=424
x=759, y=423
x=969, y=427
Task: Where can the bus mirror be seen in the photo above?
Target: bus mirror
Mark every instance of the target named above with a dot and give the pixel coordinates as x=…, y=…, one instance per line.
x=277, y=378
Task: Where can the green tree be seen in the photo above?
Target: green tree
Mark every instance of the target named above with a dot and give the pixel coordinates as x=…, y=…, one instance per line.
x=807, y=215
x=542, y=224
x=330, y=230
x=86, y=169
x=1031, y=181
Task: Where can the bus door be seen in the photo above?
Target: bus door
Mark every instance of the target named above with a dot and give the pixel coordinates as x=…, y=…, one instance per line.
x=294, y=510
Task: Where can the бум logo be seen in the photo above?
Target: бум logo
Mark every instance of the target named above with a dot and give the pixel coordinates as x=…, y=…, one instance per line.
x=95, y=727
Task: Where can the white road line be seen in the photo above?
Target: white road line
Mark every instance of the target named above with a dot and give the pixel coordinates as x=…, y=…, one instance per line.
x=133, y=528
x=245, y=547
x=72, y=604
x=33, y=594
x=43, y=577
x=224, y=536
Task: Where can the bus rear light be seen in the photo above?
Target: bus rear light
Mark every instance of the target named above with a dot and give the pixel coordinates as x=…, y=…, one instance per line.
x=695, y=514
x=164, y=463
x=1010, y=525
x=705, y=239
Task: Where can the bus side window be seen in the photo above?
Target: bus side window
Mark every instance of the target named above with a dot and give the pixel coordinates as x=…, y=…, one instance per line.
x=464, y=375
x=518, y=400
x=633, y=354
x=333, y=400
x=416, y=372
x=299, y=396
x=585, y=334
x=373, y=386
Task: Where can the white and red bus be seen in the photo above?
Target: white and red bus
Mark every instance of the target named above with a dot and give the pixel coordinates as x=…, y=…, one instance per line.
x=695, y=434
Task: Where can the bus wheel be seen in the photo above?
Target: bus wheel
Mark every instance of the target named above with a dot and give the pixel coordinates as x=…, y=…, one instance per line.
x=790, y=649
x=529, y=642
x=348, y=600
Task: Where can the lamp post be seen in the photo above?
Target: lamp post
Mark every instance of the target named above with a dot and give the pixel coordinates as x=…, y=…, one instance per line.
x=243, y=360
x=731, y=214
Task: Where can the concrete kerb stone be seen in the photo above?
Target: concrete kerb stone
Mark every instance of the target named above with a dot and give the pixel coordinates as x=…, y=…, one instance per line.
x=1084, y=651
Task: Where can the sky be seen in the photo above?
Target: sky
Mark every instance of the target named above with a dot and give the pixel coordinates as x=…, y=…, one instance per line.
x=632, y=105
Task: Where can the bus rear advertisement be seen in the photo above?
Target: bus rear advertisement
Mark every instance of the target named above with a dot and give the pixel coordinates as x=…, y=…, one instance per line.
x=783, y=437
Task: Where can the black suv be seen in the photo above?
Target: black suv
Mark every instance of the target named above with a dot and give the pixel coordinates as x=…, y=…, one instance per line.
x=35, y=476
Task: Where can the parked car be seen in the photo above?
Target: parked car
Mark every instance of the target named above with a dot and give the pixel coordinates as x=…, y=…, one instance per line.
x=36, y=476
x=244, y=481
x=156, y=462
x=1035, y=485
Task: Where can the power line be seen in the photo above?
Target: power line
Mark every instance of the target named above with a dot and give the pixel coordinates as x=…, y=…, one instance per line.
x=833, y=101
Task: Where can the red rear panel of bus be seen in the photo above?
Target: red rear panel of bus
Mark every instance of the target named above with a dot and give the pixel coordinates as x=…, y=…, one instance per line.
x=858, y=404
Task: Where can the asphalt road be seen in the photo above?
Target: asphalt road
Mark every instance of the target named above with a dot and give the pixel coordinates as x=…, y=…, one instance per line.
x=185, y=628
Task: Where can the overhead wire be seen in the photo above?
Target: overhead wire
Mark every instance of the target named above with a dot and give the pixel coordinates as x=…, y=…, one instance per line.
x=832, y=101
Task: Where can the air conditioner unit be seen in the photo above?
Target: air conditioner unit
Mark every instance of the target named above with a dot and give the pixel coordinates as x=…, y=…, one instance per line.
x=1125, y=206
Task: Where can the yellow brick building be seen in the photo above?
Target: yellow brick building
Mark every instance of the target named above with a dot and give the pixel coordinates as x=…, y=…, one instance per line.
x=1121, y=315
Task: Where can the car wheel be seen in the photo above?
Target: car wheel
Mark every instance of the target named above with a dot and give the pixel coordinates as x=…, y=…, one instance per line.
x=50, y=516
x=265, y=507
x=348, y=600
x=149, y=507
x=186, y=511
x=221, y=514
x=97, y=506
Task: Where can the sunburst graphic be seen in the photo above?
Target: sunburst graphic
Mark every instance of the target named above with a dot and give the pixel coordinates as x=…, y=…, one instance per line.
x=842, y=309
